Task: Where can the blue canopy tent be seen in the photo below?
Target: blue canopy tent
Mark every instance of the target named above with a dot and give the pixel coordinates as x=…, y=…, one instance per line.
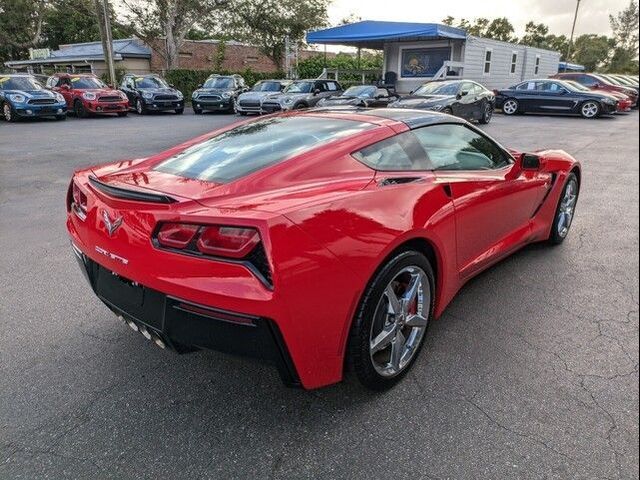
x=570, y=67
x=373, y=34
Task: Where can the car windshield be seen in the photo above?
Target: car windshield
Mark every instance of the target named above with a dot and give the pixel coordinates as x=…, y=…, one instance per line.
x=19, y=83
x=150, y=82
x=256, y=145
x=299, y=87
x=361, y=91
x=83, y=83
x=219, y=82
x=438, y=88
x=266, y=87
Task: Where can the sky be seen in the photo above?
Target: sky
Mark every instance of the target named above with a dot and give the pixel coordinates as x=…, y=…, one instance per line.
x=593, y=16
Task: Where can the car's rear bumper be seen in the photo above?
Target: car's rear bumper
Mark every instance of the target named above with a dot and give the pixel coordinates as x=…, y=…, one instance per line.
x=183, y=326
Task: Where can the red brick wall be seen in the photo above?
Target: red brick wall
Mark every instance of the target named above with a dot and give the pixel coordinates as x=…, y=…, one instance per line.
x=196, y=55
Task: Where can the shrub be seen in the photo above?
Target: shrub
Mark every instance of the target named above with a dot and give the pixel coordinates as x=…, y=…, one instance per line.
x=188, y=80
x=312, y=67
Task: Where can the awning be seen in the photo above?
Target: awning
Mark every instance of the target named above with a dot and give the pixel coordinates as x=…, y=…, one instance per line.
x=373, y=34
x=571, y=67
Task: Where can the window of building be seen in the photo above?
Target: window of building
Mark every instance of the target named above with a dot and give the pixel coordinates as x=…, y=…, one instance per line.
x=487, y=61
x=537, y=69
x=514, y=62
x=251, y=59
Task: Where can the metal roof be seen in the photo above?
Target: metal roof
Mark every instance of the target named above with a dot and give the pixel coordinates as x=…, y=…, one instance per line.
x=373, y=34
x=125, y=48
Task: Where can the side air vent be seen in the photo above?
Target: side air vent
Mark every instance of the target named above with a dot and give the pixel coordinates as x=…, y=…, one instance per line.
x=397, y=181
x=125, y=194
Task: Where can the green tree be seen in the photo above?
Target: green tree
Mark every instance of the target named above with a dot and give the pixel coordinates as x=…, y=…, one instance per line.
x=75, y=21
x=535, y=35
x=592, y=51
x=625, y=34
x=267, y=23
x=501, y=29
x=20, y=26
x=171, y=20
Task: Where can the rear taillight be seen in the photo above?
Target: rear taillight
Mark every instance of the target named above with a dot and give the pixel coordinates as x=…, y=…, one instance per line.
x=78, y=201
x=219, y=241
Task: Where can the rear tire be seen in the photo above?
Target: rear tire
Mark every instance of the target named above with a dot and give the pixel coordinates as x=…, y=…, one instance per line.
x=383, y=345
x=140, y=108
x=510, y=106
x=565, y=210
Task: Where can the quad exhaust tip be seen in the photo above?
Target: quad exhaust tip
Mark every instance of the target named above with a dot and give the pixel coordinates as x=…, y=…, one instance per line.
x=149, y=335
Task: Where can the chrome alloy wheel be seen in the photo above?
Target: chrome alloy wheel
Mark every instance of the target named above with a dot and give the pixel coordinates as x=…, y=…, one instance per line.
x=567, y=208
x=488, y=113
x=510, y=107
x=6, y=110
x=590, y=109
x=400, y=320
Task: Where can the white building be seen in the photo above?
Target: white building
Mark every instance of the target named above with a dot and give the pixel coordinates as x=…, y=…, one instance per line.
x=420, y=52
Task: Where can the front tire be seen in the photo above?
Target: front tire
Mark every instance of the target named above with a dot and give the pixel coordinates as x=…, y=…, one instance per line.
x=7, y=112
x=590, y=109
x=140, y=108
x=565, y=210
x=487, y=114
x=510, y=106
x=79, y=110
x=197, y=111
x=392, y=319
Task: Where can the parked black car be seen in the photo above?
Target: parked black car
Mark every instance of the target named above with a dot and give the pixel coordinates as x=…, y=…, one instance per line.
x=147, y=93
x=361, y=96
x=462, y=98
x=554, y=96
x=219, y=92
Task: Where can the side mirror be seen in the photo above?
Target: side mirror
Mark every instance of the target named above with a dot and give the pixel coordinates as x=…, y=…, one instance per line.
x=529, y=161
x=316, y=91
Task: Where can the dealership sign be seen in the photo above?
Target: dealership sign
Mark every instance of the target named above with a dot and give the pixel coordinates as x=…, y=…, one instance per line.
x=39, y=53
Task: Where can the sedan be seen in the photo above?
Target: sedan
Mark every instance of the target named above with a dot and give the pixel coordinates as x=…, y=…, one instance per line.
x=312, y=239
x=554, y=96
x=368, y=96
x=463, y=98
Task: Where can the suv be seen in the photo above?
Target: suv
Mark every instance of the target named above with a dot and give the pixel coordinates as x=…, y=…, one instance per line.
x=150, y=92
x=219, y=92
x=596, y=82
x=22, y=96
x=86, y=94
x=249, y=102
x=300, y=94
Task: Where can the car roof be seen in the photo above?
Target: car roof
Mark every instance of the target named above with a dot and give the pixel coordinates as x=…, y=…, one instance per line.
x=67, y=74
x=412, y=118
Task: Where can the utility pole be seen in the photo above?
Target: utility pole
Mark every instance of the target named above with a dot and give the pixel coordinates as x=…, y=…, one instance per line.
x=104, y=24
x=573, y=29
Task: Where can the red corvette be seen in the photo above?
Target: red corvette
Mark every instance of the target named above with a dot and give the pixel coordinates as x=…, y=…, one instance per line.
x=314, y=240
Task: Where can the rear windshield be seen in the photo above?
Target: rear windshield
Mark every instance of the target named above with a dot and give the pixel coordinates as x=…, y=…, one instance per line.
x=256, y=145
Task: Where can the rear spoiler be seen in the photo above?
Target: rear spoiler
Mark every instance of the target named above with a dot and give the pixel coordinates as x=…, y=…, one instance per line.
x=126, y=194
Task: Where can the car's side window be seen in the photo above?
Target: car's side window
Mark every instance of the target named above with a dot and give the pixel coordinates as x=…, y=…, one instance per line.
x=331, y=86
x=398, y=153
x=457, y=147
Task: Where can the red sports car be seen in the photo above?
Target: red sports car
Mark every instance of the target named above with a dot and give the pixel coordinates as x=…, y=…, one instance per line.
x=316, y=240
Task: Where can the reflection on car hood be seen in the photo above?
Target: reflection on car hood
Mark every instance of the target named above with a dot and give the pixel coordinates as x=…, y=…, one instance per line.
x=31, y=93
x=417, y=100
x=279, y=97
x=342, y=100
x=256, y=95
x=159, y=90
x=213, y=90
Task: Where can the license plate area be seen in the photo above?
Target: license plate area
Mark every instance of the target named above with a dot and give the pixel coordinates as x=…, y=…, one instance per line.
x=119, y=290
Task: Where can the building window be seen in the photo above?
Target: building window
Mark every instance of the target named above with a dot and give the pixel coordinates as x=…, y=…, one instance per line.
x=185, y=54
x=514, y=62
x=251, y=59
x=487, y=61
x=537, y=69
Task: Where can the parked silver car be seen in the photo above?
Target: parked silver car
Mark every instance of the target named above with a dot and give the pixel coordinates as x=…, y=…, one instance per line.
x=249, y=102
x=300, y=94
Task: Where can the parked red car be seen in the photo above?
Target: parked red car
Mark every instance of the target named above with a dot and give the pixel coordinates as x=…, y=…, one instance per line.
x=313, y=239
x=596, y=82
x=624, y=102
x=86, y=94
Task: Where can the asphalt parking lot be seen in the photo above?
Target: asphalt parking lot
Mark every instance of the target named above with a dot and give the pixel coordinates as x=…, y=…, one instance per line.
x=532, y=372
